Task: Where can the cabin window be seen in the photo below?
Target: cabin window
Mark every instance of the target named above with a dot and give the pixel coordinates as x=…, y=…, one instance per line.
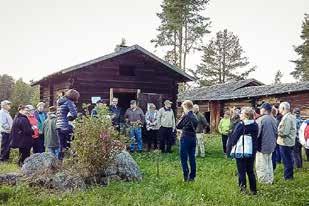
x=126, y=70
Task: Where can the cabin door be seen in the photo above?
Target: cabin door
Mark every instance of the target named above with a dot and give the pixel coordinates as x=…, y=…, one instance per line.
x=145, y=98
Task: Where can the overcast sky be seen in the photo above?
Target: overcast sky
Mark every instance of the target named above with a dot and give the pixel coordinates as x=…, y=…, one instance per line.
x=39, y=37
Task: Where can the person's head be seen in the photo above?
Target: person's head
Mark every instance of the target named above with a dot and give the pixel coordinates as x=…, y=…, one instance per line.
x=187, y=106
x=247, y=113
x=100, y=103
x=284, y=108
x=52, y=109
x=6, y=105
x=72, y=94
x=31, y=109
x=22, y=109
x=167, y=103
x=115, y=101
x=226, y=114
x=265, y=108
x=196, y=108
x=152, y=107
x=274, y=111
x=40, y=106
x=133, y=104
x=296, y=111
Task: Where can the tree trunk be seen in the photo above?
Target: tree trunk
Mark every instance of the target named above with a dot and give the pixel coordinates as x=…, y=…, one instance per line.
x=185, y=45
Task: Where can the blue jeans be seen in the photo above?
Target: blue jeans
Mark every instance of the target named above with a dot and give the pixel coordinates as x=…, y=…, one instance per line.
x=54, y=150
x=287, y=159
x=136, y=136
x=187, y=149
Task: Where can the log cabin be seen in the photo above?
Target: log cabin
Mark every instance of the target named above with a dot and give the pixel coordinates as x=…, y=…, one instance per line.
x=214, y=100
x=128, y=73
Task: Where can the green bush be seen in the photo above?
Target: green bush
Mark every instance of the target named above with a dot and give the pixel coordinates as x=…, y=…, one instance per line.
x=96, y=143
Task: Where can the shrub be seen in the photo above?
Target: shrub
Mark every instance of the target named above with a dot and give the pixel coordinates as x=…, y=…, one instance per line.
x=96, y=143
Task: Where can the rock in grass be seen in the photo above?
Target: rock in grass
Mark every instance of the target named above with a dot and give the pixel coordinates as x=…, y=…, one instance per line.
x=10, y=178
x=39, y=162
x=124, y=167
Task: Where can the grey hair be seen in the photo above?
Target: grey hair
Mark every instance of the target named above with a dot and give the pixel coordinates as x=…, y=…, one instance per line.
x=285, y=106
x=195, y=106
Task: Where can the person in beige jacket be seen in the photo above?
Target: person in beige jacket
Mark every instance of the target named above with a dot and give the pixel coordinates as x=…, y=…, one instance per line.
x=286, y=138
x=167, y=124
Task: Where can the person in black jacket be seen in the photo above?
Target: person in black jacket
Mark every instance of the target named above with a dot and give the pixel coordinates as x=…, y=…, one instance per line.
x=245, y=164
x=188, y=124
x=21, y=134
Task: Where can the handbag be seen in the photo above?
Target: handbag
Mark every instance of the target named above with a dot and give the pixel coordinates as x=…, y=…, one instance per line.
x=243, y=147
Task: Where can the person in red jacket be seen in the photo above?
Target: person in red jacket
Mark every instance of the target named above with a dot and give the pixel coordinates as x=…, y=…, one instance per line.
x=34, y=125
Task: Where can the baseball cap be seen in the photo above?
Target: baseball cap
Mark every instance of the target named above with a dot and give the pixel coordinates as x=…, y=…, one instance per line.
x=266, y=106
x=168, y=102
x=5, y=102
x=133, y=102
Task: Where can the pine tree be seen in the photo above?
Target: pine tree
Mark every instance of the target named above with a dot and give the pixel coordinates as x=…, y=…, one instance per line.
x=278, y=77
x=6, y=86
x=301, y=71
x=182, y=29
x=223, y=60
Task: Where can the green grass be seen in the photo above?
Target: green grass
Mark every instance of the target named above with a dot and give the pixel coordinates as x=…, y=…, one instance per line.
x=216, y=184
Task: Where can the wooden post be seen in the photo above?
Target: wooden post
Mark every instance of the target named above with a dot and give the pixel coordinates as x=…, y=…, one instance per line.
x=111, y=96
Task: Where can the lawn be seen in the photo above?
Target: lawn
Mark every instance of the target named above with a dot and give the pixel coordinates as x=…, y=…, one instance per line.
x=216, y=184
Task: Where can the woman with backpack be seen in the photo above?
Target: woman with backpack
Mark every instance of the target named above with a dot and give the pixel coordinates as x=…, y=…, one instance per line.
x=242, y=146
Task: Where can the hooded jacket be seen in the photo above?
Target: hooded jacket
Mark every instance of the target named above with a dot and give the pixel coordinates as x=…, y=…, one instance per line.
x=21, y=132
x=64, y=107
x=50, y=134
x=246, y=127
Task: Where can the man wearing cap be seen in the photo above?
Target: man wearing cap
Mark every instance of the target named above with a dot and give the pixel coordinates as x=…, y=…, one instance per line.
x=166, y=121
x=266, y=144
x=99, y=104
x=297, y=157
x=134, y=116
x=6, y=123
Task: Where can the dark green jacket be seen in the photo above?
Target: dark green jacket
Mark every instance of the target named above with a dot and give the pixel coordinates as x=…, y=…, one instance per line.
x=202, y=123
x=50, y=134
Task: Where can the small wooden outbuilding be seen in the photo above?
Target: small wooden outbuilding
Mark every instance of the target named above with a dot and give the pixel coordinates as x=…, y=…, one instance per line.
x=214, y=100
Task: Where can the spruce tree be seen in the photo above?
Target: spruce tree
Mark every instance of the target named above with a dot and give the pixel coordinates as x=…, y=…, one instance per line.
x=301, y=71
x=223, y=60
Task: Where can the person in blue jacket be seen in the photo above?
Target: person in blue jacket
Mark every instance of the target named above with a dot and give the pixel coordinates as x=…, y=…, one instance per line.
x=245, y=164
x=66, y=105
x=188, y=124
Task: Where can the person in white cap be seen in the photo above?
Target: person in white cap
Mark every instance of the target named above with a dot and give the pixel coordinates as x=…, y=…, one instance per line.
x=166, y=121
x=6, y=123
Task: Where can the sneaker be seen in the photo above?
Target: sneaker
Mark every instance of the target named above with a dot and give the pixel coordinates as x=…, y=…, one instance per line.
x=242, y=189
x=253, y=192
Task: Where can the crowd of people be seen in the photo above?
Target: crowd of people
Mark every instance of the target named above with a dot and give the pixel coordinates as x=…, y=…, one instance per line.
x=257, y=138
x=37, y=130
x=263, y=137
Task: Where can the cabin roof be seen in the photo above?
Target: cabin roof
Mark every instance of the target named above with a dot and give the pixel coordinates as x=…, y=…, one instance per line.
x=122, y=51
x=222, y=92
x=216, y=91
